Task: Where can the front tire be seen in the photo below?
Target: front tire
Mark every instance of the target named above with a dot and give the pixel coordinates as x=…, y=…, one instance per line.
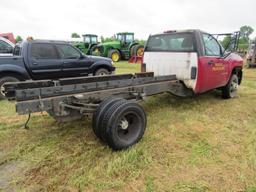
x=230, y=90
x=114, y=55
x=4, y=80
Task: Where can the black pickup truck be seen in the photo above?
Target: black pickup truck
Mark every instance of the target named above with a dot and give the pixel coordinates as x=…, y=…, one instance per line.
x=45, y=59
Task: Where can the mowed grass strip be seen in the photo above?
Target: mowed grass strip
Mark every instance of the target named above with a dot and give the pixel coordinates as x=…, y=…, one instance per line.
x=203, y=143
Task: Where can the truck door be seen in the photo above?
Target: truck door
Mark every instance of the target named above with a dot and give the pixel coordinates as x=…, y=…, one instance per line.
x=214, y=67
x=74, y=64
x=44, y=62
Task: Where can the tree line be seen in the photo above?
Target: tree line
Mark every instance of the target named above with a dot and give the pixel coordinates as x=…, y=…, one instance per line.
x=244, y=38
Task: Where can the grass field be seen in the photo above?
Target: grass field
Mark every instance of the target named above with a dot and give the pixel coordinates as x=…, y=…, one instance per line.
x=194, y=144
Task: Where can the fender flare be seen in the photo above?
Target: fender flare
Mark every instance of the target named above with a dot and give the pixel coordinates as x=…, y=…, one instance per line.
x=14, y=69
x=101, y=64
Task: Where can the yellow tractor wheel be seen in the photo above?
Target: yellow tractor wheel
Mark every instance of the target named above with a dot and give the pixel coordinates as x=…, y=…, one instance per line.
x=114, y=55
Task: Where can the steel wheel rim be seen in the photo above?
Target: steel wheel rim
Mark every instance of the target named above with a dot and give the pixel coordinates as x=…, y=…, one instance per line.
x=234, y=87
x=129, y=127
x=102, y=74
x=115, y=57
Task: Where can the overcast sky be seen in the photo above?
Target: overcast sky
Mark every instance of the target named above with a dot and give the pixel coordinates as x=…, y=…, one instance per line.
x=57, y=19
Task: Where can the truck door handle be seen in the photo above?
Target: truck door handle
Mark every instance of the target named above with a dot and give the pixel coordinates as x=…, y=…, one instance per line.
x=34, y=63
x=211, y=62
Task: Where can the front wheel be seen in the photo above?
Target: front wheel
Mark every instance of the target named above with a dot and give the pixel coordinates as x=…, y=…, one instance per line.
x=4, y=80
x=114, y=55
x=230, y=90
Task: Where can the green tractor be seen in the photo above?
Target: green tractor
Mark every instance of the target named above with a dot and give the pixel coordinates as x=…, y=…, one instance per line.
x=123, y=47
x=89, y=42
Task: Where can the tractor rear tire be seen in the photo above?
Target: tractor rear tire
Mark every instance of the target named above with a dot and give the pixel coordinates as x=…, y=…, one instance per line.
x=230, y=90
x=124, y=124
x=138, y=50
x=114, y=55
x=4, y=80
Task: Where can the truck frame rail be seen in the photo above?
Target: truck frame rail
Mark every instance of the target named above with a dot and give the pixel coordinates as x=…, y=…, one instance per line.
x=72, y=98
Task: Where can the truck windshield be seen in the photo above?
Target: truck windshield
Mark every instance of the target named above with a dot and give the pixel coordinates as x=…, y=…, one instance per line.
x=182, y=42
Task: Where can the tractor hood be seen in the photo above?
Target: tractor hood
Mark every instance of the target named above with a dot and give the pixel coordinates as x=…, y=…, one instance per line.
x=111, y=43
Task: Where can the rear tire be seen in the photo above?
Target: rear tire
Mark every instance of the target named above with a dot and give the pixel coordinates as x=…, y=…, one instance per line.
x=101, y=72
x=100, y=111
x=5, y=80
x=138, y=50
x=124, y=124
x=230, y=90
x=114, y=55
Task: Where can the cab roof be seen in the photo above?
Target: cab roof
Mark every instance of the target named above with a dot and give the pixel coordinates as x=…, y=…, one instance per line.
x=180, y=31
x=125, y=33
x=93, y=35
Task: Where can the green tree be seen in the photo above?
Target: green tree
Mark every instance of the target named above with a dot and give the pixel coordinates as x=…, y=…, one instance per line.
x=245, y=32
x=75, y=35
x=18, y=38
x=226, y=41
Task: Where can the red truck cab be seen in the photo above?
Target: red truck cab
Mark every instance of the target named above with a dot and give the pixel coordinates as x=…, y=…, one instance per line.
x=197, y=59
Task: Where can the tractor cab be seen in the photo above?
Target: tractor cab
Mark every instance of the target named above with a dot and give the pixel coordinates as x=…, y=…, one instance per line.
x=125, y=38
x=89, y=42
x=90, y=39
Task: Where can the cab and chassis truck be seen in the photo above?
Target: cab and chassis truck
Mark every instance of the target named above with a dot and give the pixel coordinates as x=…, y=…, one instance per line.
x=184, y=63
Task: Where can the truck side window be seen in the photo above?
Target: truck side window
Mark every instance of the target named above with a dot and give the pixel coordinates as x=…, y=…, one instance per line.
x=5, y=47
x=211, y=46
x=43, y=51
x=68, y=52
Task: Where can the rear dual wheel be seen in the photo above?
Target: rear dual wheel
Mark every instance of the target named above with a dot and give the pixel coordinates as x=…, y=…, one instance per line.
x=120, y=123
